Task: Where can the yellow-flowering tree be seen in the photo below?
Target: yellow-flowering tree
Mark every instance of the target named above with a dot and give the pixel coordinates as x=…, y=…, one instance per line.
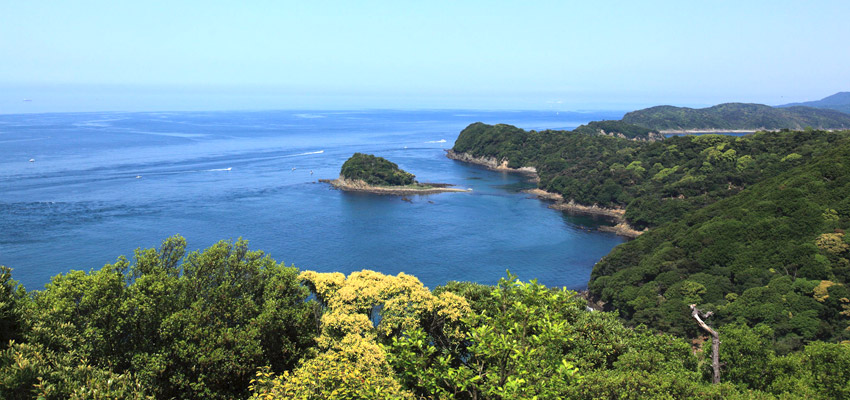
x=360, y=312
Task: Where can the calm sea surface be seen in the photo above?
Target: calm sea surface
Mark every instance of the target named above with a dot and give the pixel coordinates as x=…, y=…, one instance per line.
x=103, y=184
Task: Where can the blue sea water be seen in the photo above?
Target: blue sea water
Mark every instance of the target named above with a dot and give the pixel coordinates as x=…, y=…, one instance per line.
x=103, y=184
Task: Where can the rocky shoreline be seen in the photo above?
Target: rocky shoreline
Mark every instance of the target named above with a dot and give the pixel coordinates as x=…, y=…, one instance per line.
x=621, y=228
x=492, y=163
x=363, y=187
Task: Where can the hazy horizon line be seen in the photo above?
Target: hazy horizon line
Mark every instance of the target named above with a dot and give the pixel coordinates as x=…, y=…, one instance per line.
x=130, y=98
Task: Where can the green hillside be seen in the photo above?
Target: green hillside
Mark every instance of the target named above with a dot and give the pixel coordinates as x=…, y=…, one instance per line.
x=751, y=227
x=774, y=254
x=737, y=116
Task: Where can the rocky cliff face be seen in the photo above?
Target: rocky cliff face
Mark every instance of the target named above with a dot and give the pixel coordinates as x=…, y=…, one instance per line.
x=650, y=137
x=489, y=162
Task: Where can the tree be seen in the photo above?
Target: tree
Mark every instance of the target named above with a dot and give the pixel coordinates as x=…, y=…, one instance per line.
x=747, y=354
x=715, y=342
x=12, y=296
x=530, y=340
x=168, y=328
x=362, y=311
x=239, y=310
x=829, y=365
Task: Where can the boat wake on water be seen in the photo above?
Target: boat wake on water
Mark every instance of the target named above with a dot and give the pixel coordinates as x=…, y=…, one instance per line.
x=231, y=168
x=185, y=172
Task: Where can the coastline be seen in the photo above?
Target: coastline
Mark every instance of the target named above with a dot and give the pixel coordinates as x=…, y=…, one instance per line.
x=690, y=131
x=621, y=227
x=360, y=186
x=492, y=163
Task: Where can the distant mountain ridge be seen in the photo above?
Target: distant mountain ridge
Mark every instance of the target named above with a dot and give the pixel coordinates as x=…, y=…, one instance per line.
x=839, y=102
x=737, y=116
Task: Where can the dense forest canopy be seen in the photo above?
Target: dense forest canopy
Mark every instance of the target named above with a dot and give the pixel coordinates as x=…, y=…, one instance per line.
x=655, y=182
x=375, y=171
x=228, y=322
x=775, y=253
x=735, y=116
x=751, y=228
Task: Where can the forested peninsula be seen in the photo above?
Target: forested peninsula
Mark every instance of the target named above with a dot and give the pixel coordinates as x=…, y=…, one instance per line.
x=736, y=116
x=650, y=183
x=371, y=174
x=751, y=228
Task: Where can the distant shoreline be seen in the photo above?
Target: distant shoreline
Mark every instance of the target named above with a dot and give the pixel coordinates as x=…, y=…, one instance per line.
x=363, y=187
x=621, y=228
x=689, y=131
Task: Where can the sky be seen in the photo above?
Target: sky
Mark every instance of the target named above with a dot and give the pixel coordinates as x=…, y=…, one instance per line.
x=87, y=55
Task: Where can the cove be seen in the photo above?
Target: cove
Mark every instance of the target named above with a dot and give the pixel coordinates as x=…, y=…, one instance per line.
x=104, y=184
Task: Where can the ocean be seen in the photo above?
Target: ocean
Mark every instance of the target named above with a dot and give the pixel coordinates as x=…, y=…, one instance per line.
x=103, y=184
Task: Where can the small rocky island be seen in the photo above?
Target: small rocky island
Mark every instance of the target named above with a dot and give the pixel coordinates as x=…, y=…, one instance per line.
x=367, y=173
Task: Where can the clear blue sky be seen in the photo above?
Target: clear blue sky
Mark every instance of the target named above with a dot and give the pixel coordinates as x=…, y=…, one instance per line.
x=185, y=55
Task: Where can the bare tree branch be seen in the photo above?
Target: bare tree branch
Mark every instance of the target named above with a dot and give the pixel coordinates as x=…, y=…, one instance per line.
x=715, y=341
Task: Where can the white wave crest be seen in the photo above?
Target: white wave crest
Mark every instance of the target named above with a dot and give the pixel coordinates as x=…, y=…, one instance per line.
x=309, y=116
x=437, y=141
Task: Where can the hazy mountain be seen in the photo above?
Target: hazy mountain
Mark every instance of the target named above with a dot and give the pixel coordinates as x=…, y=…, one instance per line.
x=737, y=116
x=839, y=101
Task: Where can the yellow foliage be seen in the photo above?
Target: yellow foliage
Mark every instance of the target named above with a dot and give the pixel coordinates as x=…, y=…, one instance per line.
x=355, y=369
x=821, y=291
x=351, y=363
x=832, y=243
x=402, y=300
x=452, y=308
x=337, y=324
x=845, y=304
x=323, y=283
